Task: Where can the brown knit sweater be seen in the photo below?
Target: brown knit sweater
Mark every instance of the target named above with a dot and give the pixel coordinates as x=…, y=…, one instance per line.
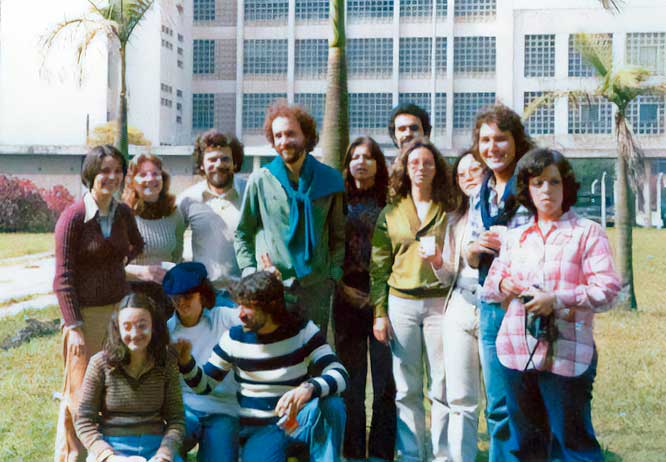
x=113, y=404
x=90, y=270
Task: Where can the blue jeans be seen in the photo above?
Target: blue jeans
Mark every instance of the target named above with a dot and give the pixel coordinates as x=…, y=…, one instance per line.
x=217, y=435
x=137, y=445
x=497, y=414
x=321, y=424
x=551, y=415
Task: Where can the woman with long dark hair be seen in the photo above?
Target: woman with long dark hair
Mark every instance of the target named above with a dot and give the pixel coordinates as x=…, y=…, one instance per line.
x=131, y=403
x=94, y=238
x=553, y=274
x=407, y=296
x=366, y=186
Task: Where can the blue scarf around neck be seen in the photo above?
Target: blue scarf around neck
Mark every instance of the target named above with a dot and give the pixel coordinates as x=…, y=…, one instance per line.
x=316, y=180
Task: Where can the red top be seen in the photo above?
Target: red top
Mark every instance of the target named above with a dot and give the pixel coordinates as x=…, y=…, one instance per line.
x=90, y=270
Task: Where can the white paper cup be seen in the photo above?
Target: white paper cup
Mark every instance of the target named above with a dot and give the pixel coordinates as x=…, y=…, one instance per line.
x=428, y=245
x=167, y=265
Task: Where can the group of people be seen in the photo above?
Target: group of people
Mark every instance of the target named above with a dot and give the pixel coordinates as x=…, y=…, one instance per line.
x=435, y=274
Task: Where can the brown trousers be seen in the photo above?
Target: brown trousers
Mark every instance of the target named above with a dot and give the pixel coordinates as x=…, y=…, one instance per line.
x=68, y=448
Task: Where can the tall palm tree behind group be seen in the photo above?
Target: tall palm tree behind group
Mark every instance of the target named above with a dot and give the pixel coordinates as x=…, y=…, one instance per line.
x=112, y=19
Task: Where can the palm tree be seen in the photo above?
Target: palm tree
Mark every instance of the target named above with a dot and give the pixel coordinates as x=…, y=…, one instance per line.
x=612, y=5
x=115, y=19
x=335, y=136
x=620, y=87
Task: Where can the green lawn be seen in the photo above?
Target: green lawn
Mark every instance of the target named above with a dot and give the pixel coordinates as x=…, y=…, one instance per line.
x=19, y=244
x=628, y=406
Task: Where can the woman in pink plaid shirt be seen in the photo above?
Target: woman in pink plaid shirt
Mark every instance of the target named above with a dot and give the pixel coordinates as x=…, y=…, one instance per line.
x=556, y=270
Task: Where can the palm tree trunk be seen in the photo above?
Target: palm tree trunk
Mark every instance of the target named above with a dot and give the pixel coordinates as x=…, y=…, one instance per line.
x=624, y=214
x=335, y=136
x=122, y=141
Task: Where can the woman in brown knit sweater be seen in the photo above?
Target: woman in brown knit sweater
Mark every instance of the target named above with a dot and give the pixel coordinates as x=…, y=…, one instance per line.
x=94, y=238
x=131, y=406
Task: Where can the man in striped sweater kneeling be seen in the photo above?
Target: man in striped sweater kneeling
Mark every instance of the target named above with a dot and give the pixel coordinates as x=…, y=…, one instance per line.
x=271, y=355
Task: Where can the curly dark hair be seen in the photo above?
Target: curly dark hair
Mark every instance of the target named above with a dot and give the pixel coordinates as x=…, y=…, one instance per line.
x=506, y=120
x=166, y=202
x=264, y=291
x=400, y=185
x=411, y=109
x=380, y=188
x=533, y=164
x=281, y=108
x=92, y=163
x=116, y=352
x=215, y=138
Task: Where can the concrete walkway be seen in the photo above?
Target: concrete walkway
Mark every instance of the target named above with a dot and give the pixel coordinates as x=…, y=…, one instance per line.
x=26, y=276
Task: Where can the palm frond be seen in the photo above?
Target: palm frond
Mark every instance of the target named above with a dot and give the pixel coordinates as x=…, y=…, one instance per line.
x=596, y=50
x=137, y=10
x=573, y=96
x=612, y=5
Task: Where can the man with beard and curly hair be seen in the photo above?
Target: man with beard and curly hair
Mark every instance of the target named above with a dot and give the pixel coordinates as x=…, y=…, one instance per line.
x=293, y=217
x=211, y=208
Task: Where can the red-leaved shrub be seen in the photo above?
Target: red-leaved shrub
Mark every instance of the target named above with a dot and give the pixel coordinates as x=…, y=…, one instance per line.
x=58, y=198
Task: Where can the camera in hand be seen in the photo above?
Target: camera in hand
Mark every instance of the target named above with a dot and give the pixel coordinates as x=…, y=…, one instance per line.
x=539, y=327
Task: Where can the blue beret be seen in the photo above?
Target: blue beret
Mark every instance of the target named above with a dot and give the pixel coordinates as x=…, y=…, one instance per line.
x=184, y=277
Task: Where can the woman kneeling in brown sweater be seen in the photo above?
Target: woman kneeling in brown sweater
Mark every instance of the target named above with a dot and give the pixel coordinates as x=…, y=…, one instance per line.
x=131, y=407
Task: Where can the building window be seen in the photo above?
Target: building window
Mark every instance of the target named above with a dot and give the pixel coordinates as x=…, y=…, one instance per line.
x=648, y=50
x=254, y=109
x=203, y=107
x=467, y=105
x=542, y=121
x=179, y=107
x=420, y=99
x=274, y=11
x=179, y=93
x=179, y=119
x=577, y=65
x=440, y=55
x=311, y=10
x=203, y=58
x=166, y=88
x=420, y=10
x=166, y=44
x=475, y=8
x=311, y=58
x=180, y=51
x=593, y=116
x=474, y=54
x=368, y=112
x=166, y=102
x=415, y=53
x=265, y=58
x=646, y=115
x=540, y=55
x=180, y=64
x=370, y=10
x=204, y=10
x=440, y=112
x=180, y=38
x=314, y=103
x=370, y=57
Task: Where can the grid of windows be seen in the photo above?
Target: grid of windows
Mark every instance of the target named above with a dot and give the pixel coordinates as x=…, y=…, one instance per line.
x=203, y=110
x=204, y=10
x=166, y=44
x=370, y=10
x=542, y=121
x=203, y=58
x=274, y=11
x=311, y=58
x=540, y=55
x=440, y=55
x=648, y=50
x=254, y=109
x=646, y=115
x=265, y=57
x=474, y=54
x=577, y=65
x=420, y=99
x=415, y=56
x=370, y=57
x=311, y=10
x=440, y=111
x=421, y=10
x=467, y=105
x=314, y=103
x=475, y=7
x=368, y=112
x=593, y=116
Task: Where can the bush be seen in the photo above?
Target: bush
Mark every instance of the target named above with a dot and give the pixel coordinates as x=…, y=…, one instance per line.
x=26, y=208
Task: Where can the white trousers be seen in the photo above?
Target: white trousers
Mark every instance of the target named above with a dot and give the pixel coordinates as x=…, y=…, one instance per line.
x=418, y=350
x=462, y=366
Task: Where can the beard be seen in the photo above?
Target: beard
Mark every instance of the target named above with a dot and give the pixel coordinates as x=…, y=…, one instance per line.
x=221, y=178
x=292, y=153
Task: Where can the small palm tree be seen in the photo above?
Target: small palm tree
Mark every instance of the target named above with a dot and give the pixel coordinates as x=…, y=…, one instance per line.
x=620, y=87
x=113, y=19
x=335, y=136
x=612, y=5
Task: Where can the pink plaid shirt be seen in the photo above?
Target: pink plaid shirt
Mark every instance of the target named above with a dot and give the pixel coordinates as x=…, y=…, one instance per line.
x=573, y=260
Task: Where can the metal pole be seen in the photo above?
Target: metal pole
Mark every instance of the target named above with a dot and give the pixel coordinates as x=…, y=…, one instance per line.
x=659, y=222
x=603, y=200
